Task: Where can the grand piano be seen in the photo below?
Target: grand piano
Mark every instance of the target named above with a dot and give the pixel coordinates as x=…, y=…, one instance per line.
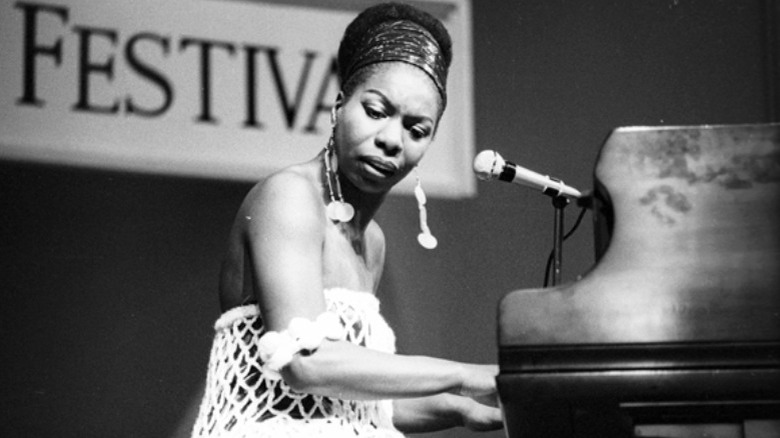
x=675, y=331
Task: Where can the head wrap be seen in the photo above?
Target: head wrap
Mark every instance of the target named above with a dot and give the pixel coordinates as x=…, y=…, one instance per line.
x=404, y=41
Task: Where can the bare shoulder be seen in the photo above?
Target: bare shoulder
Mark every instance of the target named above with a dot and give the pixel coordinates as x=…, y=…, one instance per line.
x=290, y=197
x=289, y=184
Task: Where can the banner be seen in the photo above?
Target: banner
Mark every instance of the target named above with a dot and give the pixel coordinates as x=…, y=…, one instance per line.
x=222, y=89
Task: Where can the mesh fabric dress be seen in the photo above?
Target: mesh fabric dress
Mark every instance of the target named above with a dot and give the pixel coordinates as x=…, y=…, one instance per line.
x=240, y=401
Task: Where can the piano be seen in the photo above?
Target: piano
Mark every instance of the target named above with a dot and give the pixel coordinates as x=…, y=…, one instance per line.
x=676, y=327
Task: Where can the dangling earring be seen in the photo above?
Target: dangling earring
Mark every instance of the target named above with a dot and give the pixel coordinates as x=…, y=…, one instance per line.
x=425, y=238
x=337, y=210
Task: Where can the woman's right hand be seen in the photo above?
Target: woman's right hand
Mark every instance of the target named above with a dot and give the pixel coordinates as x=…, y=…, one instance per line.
x=479, y=383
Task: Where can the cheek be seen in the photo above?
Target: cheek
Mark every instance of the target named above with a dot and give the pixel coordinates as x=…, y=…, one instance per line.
x=412, y=157
x=345, y=138
x=351, y=131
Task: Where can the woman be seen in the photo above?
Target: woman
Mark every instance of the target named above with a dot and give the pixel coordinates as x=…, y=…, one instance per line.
x=301, y=349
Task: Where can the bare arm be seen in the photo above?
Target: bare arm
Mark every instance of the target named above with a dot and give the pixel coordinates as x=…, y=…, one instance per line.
x=349, y=371
x=284, y=237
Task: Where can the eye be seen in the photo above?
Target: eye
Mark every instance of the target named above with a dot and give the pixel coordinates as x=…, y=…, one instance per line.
x=374, y=111
x=418, y=128
x=419, y=133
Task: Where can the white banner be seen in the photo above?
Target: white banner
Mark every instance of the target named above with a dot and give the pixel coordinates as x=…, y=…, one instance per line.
x=207, y=88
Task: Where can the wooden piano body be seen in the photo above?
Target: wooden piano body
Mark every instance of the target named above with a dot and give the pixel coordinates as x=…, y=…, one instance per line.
x=678, y=322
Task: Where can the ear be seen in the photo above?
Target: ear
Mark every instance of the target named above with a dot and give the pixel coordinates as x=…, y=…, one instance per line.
x=336, y=106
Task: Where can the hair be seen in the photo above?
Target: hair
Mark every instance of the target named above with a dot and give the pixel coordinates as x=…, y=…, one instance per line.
x=351, y=43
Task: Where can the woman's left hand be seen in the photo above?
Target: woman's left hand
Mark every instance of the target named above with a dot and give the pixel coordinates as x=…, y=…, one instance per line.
x=481, y=418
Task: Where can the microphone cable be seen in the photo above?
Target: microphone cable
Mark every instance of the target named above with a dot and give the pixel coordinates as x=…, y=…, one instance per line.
x=571, y=231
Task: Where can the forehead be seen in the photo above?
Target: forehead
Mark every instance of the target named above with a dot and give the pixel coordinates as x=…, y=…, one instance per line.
x=403, y=84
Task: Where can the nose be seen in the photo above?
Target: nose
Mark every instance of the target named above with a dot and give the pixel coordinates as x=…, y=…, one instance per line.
x=390, y=137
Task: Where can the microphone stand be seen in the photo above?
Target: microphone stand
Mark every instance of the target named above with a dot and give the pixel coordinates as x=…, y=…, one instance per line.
x=559, y=202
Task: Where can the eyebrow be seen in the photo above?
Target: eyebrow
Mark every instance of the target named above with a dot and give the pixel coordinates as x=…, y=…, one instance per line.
x=386, y=100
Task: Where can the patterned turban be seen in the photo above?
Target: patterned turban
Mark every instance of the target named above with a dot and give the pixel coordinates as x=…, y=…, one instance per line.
x=404, y=41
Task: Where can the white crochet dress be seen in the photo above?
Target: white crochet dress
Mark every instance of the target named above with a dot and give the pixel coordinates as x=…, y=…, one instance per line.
x=240, y=402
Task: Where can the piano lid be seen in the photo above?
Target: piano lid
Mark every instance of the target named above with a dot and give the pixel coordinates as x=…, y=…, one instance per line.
x=688, y=244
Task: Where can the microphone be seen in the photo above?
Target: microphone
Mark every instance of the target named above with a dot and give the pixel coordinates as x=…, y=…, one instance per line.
x=490, y=165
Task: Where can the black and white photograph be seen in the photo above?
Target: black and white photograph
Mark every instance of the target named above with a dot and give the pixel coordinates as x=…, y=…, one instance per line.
x=389, y=219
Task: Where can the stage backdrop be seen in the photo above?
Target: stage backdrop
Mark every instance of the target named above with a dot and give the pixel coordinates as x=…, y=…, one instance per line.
x=208, y=88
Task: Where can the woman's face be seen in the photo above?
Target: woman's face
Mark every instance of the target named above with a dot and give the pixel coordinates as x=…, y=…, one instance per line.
x=385, y=126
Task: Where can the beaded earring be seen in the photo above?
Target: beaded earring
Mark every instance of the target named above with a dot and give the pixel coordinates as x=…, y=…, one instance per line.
x=337, y=210
x=425, y=238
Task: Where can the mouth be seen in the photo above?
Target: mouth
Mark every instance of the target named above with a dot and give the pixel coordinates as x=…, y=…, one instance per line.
x=381, y=166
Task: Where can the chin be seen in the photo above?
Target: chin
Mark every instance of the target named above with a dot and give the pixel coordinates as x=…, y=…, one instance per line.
x=368, y=183
x=373, y=186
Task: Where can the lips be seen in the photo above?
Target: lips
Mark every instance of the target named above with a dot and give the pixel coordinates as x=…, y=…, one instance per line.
x=380, y=165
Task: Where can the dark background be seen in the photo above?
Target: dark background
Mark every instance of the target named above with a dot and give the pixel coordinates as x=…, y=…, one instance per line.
x=108, y=280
